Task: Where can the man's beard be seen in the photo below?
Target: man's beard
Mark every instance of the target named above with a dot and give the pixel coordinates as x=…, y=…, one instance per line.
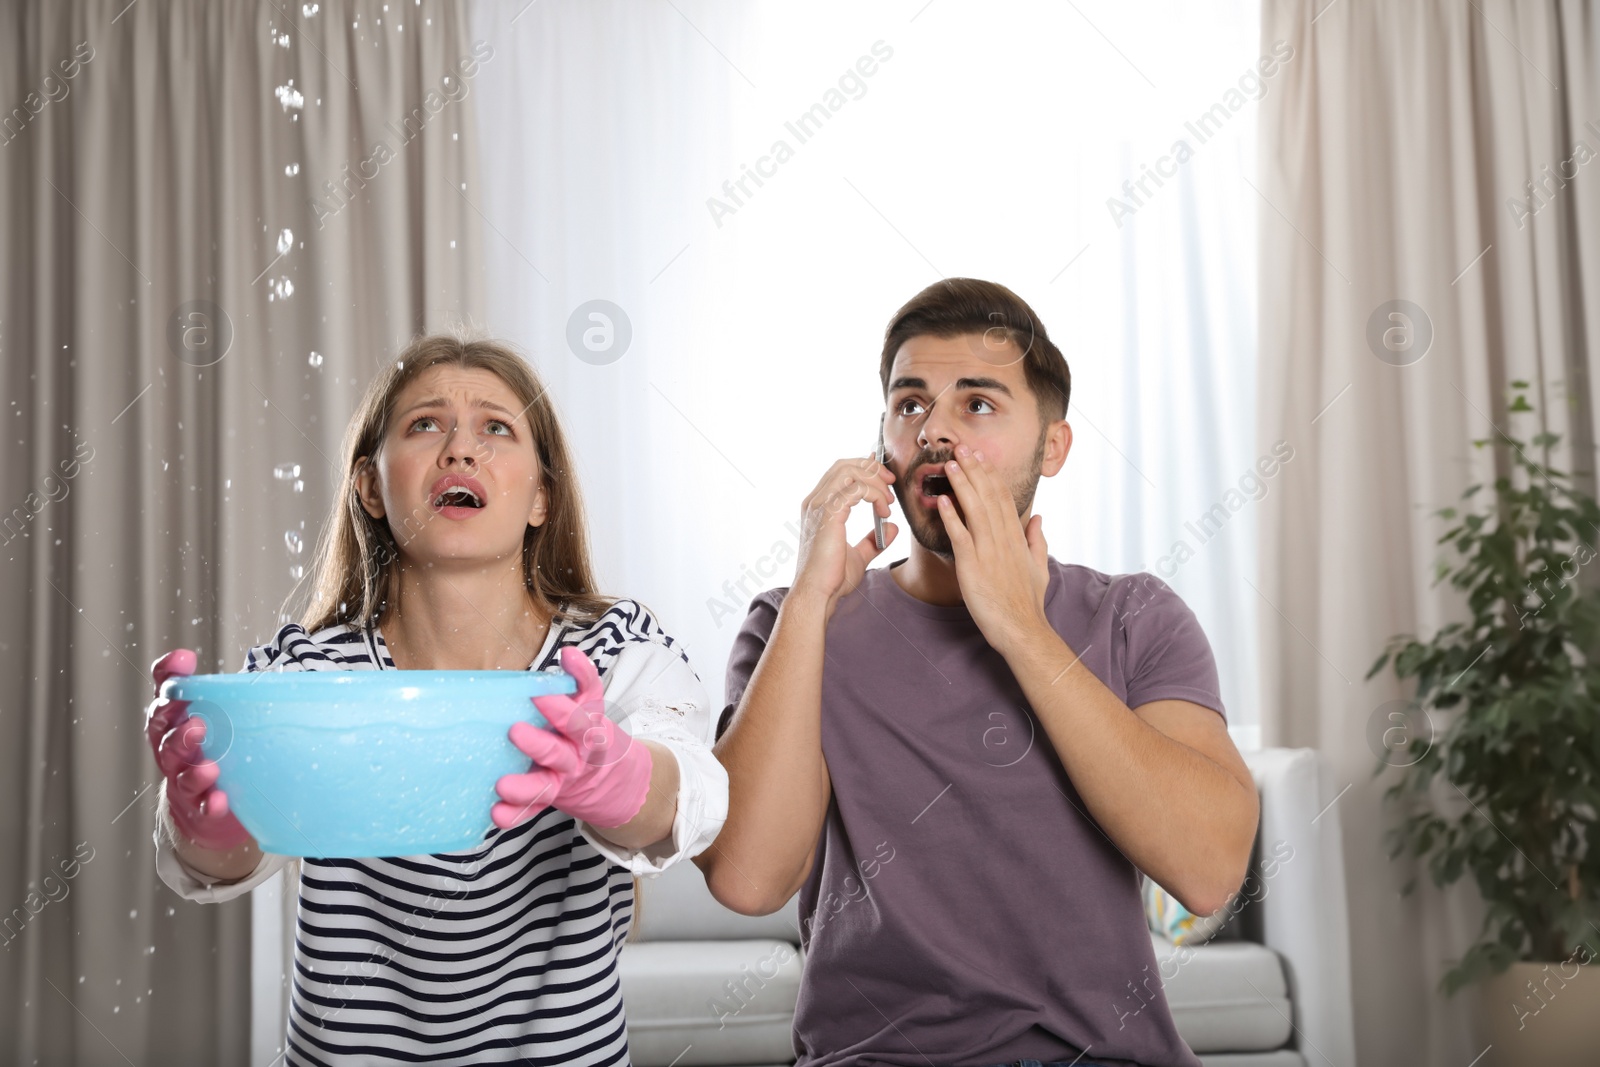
x=930, y=530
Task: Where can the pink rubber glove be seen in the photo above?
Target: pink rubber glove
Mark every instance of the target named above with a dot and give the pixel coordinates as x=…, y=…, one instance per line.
x=586, y=766
x=199, y=809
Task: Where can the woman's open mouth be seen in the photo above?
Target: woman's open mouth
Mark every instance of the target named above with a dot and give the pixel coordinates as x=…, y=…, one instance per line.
x=456, y=496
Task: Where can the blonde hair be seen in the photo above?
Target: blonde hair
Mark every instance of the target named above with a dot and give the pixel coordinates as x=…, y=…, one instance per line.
x=355, y=569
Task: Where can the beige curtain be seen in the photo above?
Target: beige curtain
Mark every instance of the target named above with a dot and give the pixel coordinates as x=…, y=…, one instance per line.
x=1396, y=151
x=157, y=352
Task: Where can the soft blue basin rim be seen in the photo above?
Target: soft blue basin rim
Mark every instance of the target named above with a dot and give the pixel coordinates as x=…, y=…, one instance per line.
x=400, y=697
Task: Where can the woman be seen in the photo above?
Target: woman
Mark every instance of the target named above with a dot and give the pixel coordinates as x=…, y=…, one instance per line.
x=457, y=542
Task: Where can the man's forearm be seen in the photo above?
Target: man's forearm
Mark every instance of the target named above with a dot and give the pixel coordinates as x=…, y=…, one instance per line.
x=777, y=780
x=1176, y=814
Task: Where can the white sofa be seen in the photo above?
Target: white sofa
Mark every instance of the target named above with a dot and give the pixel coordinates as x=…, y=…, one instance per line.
x=706, y=986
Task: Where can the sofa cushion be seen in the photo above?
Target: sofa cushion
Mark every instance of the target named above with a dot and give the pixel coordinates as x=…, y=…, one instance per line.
x=733, y=1001
x=710, y=1002
x=1227, y=996
x=1169, y=918
x=1284, y=1057
x=675, y=905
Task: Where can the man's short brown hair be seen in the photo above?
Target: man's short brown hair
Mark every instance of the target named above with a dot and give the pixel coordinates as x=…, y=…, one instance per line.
x=957, y=306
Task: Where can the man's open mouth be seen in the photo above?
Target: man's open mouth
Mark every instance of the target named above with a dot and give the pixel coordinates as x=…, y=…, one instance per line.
x=936, y=485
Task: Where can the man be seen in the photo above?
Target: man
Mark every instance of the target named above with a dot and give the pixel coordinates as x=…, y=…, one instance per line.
x=959, y=761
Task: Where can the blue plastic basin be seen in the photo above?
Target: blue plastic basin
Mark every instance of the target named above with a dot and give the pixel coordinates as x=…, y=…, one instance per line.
x=364, y=763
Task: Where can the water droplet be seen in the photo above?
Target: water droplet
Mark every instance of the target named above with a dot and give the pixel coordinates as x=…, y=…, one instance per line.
x=292, y=169
x=281, y=40
x=289, y=96
x=315, y=359
x=297, y=572
x=285, y=241
x=283, y=289
x=452, y=244
x=227, y=483
x=309, y=10
x=134, y=914
x=299, y=486
x=171, y=912
x=284, y=471
x=292, y=541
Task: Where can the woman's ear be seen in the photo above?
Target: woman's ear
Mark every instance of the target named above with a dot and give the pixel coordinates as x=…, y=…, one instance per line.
x=541, y=507
x=367, y=488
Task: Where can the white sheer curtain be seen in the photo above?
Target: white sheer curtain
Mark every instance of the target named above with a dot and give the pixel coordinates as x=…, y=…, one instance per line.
x=960, y=139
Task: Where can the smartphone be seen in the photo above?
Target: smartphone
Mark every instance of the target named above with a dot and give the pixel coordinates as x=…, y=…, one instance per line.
x=878, y=520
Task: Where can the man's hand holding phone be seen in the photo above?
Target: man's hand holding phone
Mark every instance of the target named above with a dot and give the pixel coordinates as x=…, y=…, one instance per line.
x=778, y=781
x=829, y=566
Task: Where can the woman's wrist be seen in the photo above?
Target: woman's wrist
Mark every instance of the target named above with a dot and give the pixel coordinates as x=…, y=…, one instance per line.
x=655, y=817
x=218, y=866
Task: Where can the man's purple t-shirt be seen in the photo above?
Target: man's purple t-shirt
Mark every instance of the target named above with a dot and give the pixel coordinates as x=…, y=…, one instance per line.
x=964, y=908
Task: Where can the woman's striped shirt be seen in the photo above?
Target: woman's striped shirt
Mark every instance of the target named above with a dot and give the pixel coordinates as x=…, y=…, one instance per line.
x=507, y=951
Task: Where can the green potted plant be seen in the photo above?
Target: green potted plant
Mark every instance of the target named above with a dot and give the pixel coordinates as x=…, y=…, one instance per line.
x=1508, y=791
